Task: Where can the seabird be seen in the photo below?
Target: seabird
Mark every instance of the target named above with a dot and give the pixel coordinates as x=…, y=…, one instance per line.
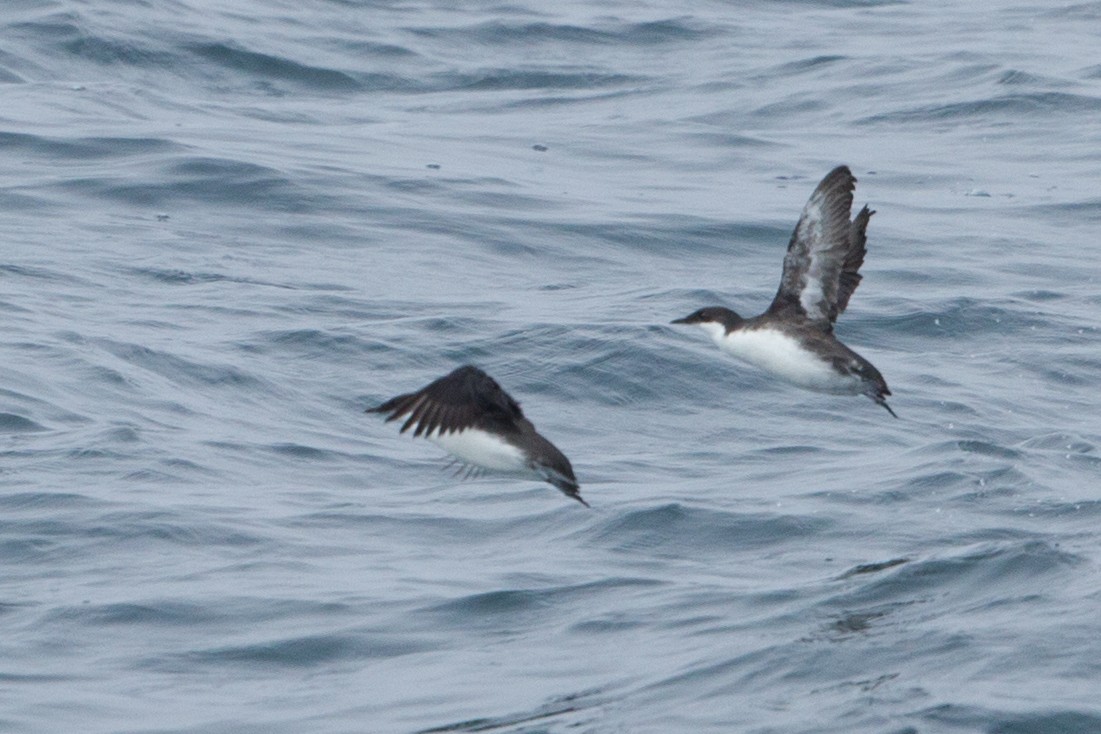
x=470, y=416
x=793, y=339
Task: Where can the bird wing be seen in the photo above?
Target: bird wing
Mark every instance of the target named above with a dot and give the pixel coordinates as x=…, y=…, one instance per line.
x=850, y=270
x=822, y=264
x=465, y=398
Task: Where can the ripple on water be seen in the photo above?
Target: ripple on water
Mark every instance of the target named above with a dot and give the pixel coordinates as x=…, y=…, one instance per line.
x=52, y=501
x=983, y=572
x=254, y=64
x=573, y=711
x=1011, y=107
x=62, y=539
x=179, y=369
x=524, y=609
x=676, y=530
x=498, y=33
x=307, y=651
x=965, y=717
x=206, y=180
x=85, y=148
x=12, y=423
x=963, y=318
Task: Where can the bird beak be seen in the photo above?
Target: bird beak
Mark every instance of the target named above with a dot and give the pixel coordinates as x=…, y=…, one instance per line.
x=679, y=321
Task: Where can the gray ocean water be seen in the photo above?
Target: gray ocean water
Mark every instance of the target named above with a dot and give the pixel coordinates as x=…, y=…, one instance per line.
x=229, y=228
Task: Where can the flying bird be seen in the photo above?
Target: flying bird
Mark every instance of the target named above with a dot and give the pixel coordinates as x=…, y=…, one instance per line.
x=470, y=416
x=793, y=340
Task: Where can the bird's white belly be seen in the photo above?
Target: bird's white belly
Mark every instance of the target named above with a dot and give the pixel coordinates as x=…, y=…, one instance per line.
x=783, y=356
x=482, y=449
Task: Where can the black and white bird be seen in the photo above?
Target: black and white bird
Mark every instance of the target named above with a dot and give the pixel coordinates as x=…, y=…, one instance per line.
x=470, y=416
x=793, y=339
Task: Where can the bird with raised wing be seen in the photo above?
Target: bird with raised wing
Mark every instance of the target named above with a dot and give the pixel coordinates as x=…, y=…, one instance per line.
x=794, y=339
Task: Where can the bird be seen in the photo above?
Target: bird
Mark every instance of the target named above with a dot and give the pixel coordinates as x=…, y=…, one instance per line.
x=793, y=339
x=469, y=415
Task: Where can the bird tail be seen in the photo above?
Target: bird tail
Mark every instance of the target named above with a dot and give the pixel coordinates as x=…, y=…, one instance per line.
x=880, y=399
x=567, y=485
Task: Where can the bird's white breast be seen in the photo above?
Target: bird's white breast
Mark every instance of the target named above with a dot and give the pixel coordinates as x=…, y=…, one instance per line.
x=484, y=449
x=782, y=355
